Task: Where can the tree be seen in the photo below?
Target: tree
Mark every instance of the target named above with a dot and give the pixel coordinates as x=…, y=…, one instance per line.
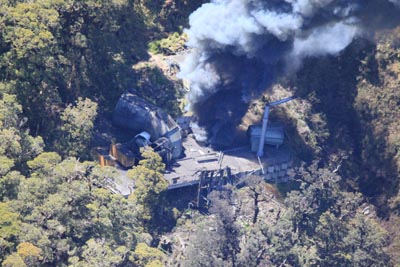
x=27, y=255
x=114, y=218
x=78, y=122
x=43, y=165
x=9, y=185
x=17, y=145
x=62, y=208
x=365, y=242
x=9, y=228
x=29, y=252
x=226, y=218
x=329, y=236
x=14, y=260
x=100, y=253
x=205, y=244
x=283, y=238
x=254, y=250
x=149, y=183
x=147, y=256
x=28, y=57
x=256, y=186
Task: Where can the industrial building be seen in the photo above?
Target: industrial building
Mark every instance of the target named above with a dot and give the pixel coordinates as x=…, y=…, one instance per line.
x=189, y=162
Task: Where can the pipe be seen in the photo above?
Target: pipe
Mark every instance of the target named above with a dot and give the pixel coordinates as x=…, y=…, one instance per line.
x=260, y=151
x=278, y=102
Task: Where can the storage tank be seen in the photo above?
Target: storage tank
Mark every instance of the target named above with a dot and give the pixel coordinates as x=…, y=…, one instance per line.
x=274, y=135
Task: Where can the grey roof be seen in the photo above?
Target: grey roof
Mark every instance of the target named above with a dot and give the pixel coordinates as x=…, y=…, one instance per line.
x=137, y=114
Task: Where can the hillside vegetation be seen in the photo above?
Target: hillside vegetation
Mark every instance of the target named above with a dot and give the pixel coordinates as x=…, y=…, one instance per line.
x=63, y=66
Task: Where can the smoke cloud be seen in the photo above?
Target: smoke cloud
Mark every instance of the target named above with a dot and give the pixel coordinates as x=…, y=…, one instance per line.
x=396, y=2
x=322, y=41
x=239, y=46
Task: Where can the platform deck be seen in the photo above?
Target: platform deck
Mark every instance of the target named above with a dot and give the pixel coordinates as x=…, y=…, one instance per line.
x=186, y=171
x=240, y=160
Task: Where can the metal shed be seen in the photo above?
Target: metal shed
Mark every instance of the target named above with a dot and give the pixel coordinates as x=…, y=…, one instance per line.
x=274, y=135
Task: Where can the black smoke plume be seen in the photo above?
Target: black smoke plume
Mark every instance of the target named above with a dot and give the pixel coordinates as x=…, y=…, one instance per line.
x=238, y=47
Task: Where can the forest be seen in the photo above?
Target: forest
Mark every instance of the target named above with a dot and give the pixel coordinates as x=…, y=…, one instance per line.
x=63, y=66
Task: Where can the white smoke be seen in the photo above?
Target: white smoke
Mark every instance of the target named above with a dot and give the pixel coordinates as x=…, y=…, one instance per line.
x=223, y=23
x=322, y=41
x=396, y=2
x=201, y=74
x=268, y=31
x=308, y=7
x=281, y=25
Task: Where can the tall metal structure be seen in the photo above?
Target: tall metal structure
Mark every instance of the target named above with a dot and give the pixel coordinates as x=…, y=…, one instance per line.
x=260, y=151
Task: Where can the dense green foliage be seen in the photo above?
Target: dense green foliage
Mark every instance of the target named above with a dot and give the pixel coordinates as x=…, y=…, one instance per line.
x=59, y=215
x=64, y=64
x=53, y=52
x=170, y=45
